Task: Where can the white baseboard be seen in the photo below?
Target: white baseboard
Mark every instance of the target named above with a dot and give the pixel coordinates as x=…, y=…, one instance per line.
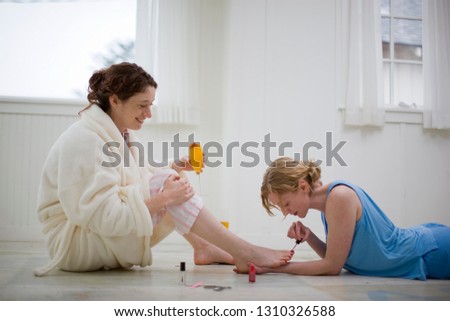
x=21, y=234
x=280, y=242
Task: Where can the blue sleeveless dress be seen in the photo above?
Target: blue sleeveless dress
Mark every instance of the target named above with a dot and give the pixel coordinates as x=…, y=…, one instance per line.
x=379, y=248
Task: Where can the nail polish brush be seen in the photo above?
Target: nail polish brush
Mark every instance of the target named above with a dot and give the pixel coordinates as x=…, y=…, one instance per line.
x=297, y=242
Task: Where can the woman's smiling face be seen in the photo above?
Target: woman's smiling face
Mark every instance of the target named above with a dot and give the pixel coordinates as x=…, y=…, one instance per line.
x=131, y=113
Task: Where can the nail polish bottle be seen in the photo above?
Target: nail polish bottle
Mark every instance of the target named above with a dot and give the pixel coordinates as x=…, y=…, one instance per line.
x=182, y=273
x=252, y=274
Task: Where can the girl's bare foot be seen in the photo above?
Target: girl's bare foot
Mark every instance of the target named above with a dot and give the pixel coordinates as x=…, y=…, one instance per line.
x=210, y=254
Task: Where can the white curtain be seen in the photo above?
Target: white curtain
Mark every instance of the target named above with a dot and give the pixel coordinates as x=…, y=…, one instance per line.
x=167, y=46
x=360, y=69
x=436, y=63
x=147, y=35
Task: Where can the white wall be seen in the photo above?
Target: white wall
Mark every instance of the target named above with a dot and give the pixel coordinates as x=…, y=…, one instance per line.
x=266, y=67
x=282, y=79
x=28, y=128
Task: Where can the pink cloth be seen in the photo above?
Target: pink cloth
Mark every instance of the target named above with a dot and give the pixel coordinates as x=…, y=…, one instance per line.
x=183, y=215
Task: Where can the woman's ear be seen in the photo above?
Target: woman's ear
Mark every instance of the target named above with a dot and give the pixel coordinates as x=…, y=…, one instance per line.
x=114, y=101
x=303, y=185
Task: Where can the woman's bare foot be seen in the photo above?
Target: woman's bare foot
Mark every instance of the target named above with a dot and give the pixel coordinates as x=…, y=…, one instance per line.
x=209, y=254
x=262, y=257
x=207, y=228
x=258, y=269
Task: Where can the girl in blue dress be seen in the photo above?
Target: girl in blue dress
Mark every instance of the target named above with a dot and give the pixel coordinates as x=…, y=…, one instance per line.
x=359, y=236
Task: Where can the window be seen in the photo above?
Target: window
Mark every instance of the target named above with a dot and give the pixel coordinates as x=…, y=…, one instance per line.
x=51, y=48
x=401, y=22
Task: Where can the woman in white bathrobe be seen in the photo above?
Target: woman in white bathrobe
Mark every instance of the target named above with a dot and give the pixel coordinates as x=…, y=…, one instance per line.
x=97, y=214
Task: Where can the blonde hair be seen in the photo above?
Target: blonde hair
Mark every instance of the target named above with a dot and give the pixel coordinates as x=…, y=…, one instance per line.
x=283, y=176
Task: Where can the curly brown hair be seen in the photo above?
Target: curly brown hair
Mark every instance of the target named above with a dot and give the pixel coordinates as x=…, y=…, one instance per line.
x=124, y=80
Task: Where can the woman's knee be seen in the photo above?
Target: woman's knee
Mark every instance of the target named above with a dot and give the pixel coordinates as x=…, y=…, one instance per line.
x=156, y=182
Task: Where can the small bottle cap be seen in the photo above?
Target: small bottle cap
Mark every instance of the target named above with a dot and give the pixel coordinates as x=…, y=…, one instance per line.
x=182, y=266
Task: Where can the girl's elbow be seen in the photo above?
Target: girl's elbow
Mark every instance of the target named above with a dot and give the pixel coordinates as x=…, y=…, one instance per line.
x=335, y=272
x=334, y=269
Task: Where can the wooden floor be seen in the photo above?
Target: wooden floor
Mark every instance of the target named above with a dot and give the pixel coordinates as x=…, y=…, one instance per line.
x=161, y=282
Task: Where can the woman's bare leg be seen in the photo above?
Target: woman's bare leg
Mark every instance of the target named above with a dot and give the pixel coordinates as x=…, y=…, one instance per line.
x=207, y=253
x=210, y=229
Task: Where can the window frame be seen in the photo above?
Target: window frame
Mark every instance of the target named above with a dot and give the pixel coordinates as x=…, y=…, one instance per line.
x=392, y=61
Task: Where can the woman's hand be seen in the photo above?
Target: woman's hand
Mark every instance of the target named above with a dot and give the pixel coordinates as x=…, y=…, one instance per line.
x=298, y=231
x=177, y=190
x=183, y=164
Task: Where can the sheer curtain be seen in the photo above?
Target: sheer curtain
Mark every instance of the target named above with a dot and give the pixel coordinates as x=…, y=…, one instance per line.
x=360, y=70
x=167, y=46
x=436, y=63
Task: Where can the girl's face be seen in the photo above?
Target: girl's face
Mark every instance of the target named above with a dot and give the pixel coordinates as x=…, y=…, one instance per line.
x=131, y=113
x=295, y=203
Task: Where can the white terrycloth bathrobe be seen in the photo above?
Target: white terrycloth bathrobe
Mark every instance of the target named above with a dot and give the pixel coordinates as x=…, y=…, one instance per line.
x=94, y=216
